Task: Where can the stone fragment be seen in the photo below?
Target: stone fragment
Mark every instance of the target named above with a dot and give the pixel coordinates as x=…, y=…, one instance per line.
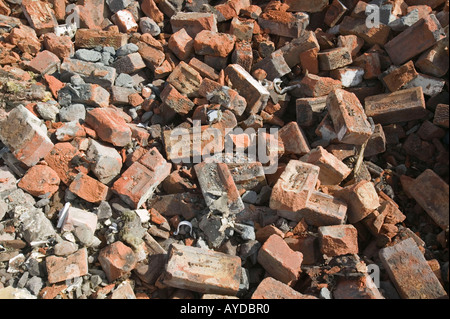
x=106, y=162
x=218, y=188
x=109, y=125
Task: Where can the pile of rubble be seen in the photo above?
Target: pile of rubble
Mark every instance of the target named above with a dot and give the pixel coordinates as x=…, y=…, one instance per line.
x=349, y=100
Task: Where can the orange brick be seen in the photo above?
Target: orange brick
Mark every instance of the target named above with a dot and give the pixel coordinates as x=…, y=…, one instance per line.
x=294, y=139
x=332, y=170
x=192, y=268
x=213, y=43
x=89, y=188
x=349, y=120
x=117, y=260
x=64, y=268
x=40, y=180
x=293, y=189
x=61, y=160
x=402, y=275
x=401, y=76
x=109, y=125
x=338, y=240
x=400, y=106
x=40, y=16
x=270, y=288
x=316, y=86
x=280, y=261
x=181, y=44
x=414, y=40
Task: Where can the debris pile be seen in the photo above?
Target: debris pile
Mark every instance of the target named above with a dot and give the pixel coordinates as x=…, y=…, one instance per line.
x=290, y=149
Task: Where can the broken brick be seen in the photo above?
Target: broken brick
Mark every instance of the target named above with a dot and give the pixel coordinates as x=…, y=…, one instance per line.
x=400, y=106
x=181, y=44
x=293, y=189
x=40, y=180
x=270, y=288
x=109, y=126
x=338, y=240
x=191, y=268
x=89, y=189
x=349, y=120
x=280, y=261
x=407, y=282
x=117, y=260
x=65, y=268
x=40, y=16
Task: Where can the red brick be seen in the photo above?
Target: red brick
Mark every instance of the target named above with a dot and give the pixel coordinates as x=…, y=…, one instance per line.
x=294, y=139
x=281, y=262
x=117, y=260
x=181, y=44
x=349, y=120
x=217, y=178
x=270, y=288
x=285, y=24
x=109, y=125
x=44, y=62
x=243, y=55
x=40, y=16
x=25, y=39
x=140, y=180
x=309, y=61
x=185, y=79
x=174, y=103
x=434, y=61
x=307, y=6
x=413, y=279
x=60, y=160
x=151, y=10
x=242, y=29
x=332, y=170
x=193, y=22
x=87, y=38
x=338, y=240
x=358, y=27
x=125, y=21
x=50, y=292
x=213, y=43
x=320, y=210
x=400, y=106
x=53, y=84
x=432, y=3
x=353, y=43
x=91, y=13
x=293, y=189
x=370, y=62
x=264, y=233
x=123, y=291
x=377, y=142
x=361, y=198
x=23, y=133
x=360, y=287
x=414, y=40
x=441, y=115
x=334, y=13
x=62, y=46
x=205, y=70
x=401, y=76
x=431, y=193
x=315, y=86
x=202, y=270
x=65, y=268
x=40, y=180
x=89, y=189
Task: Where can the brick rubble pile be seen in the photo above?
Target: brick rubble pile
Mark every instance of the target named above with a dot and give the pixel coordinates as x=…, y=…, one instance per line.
x=95, y=203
